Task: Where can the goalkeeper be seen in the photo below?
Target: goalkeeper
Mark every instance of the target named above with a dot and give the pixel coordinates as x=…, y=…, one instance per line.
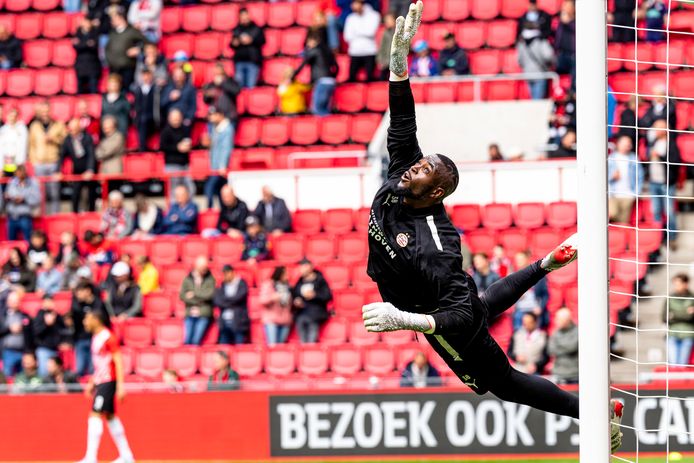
x=415, y=258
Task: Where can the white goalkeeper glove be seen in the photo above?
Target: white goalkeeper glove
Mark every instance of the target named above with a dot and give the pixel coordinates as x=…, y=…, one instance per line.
x=405, y=30
x=384, y=316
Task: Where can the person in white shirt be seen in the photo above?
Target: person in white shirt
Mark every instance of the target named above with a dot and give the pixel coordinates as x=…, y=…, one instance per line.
x=13, y=143
x=360, y=34
x=625, y=177
x=145, y=15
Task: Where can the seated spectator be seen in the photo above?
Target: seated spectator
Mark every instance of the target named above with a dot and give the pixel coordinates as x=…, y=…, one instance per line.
x=123, y=47
x=359, y=32
x=181, y=95
x=22, y=197
x=420, y=373
x=222, y=92
x=182, y=218
x=123, y=296
x=247, y=40
x=98, y=250
x=50, y=279
x=276, y=299
x=273, y=213
x=494, y=153
x=292, y=94
x=653, y=12
x=233, y=214
x=28, y=380
x=111, y=148
x=197, y=293
x=563, y=346
x=224, y=378
x=171, y=379
x=85, y=298
x=148, y=219
x=114, y=103
x=15, y=334
x=255, y=244
x=75, y=273
x=231, y=297
x=627, y=120
x=146, y=94
x=678, y=313
x=148, y=279
x=482, y=273
x=176, y=144
x=46, y=136
x=10, y=49
x=87, y=62
x=324, y=69
x=68, y=250
x=453, y=60
x=625, y=179
x=534, y=300
x=528, y=347
x=155, y=62
x=145, y=16
x=383, y=54
x=49, y=333
x=78, y=147
x=116, y=221
x=13, y=143
x=500, y=262
x=311, y=297
x=662, y=181
x=38, y=249
x=221, y=147
x=535, y=23
x=60, y=378
x=89, y=124
x=423, y=64
x=567, y=147
x=17, y=272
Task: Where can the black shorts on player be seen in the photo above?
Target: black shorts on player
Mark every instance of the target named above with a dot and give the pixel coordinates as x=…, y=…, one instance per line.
x=105, y=398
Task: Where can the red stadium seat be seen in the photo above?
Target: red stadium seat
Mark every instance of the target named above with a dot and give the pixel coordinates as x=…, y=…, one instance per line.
x=514, y=8
x=248, y=133
x=274, y=69
x=497, y=216
x=134, y=248
x=137, y=333
x=88, y=221
x=48, y=82
x=377, y=97
x=320, y=248
x=288, y=248
x=436, y=33
x=440, y=92
x=208, y=356
x=397, y=338
x=57, y=224
x=642, y=53
x=627, y=269
x=455, y=10
x=509, y=62
x=225, y=17
x=543, y=240
x=529, y=215
x=350, y=98
x=617, y=240
x=226, y=250
x=312, y=360
x=364, y=127
x=644, y=241
x=45, y=5
x=157, y=306
x=20, y=82
x=280, y=360
x=170, y=20
x=352, y=247
x=273, y=41
x=485, y=9
x=564, y=277
x=335, y=129
x=501, y=33
x=184, y=361
x=513, y=240
x=466, y=216
x=358, y=335
x=338, y=221
x=28, y=26
x=334, y=332
x=305, y=12
x=191, y=248
x=164, y=252
x=56, y=25
x=379, y=360
x=498, y=90
x=195, y=18
x=550, y=6
x=275, y=131
x=208, y=46
x=361, y=219
x=281, y=15
x=171, y=276
x=63, y=53
x=173, y=43
x=471, y=35
x=304, y=130
x=561, y=214
x=262, y=101
x=150, y=363
x=248, y=360
x=481, y=240
x=345, y=360
x=292, y=42
x=485, y=62
x=348, y=303
x=38, y=53
x=337, y=275
x=307, y=221
x=361, y=280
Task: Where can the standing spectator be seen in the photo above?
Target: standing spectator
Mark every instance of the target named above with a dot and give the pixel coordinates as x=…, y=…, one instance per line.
x=423, y=64
x=116, y=221
x=324, y=69
x=292, y=94
x=276, y=299
x=566, y=148
x=181, y=95
x=176, y=144
x=563, y=116
x=45, y=139
x=182, y=218
x=49, y=280
x=383, y=54
x=625, y=180
x=453, y=60
x=145, y=15
x=534, y=300
x=360, y=34
x=482, y=274
x=331, y=12
x=563, y=346
x=494, y=153
x=84, y=299
x=123, y=48
x=114, y=103
x=565, y=39
x=197, y=293
x=148, y=219
x=123, y=296
x=311, y=297
x=38, y=249
x=399, y=7
x=49, y=333
x=221, y=138
x=233, y=213
x=500, y=262
x=534, y=23
x=22, y=197
x=15, y=334
x=255, y=245
x=146, y=97
x=224, y=378
x=528, y=347
x=247, y=41
x=89, y=124
x=678, y=313
x=663, y=178
x=87, y=62
x=627, y=120
x=28, y=380
x=231, y=297
x=152, y=60
x=660, y=108
x=222, y=92
x=535, y=55
x=111, y=148
x=623, y=15
x=10, y=49
x=78, y=147
x=653, y=12
x=420, y=373
x=17, y=272
x=273, y=213
x=13, y=143
x=148, y=279
x=61, y=379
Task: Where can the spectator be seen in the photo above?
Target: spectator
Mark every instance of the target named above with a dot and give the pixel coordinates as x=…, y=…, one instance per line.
x=152, y=60
x=534, y=300
x=276, y=299
x=222, y=92
x=13, y=143
x=482, y=274
x=625, y=180
x=233, y=213
x=565, y=39
x=123, y=48
x=678, y=313
x=653, y=12
x=660, y=109
x=528, y=347
x=148, y=279
x=15, y=334
x=500, y=262
x=567, y=147
x=148, y=219
x=231, y=297
x=180, y=94
x=197, y=293
x=85, y=298
x=494, y=153
x=28, y=380
x=221, y=144
x=360, y=34
x=61, y=379
x=453, y=60
x=176, y=144
x=78, y=147
x=383, y=54
x=423, y=64
x=331, y=12
x=182, y=218
x=535, y=23
x=171, y=379
x=22, y=197
x=116, y=221
x=145, y=15
x=627, y=120
x=114, y=103
x=273, y=213
x=146, y=97
x=535, y=55
x=247, y=41
x=87, y=62
x=324, y=69
x=16, y=270
x=38, y=249
x=49, y=280
x=563, y=346
x=89, y=124
x=67, y=250
x=311, y=297
x=399, y=7
x=45, y=139
x=255, y=245
x=224, y=378
x=563, y=117
x=292, y=94
x=662, y=179
x=623, y=15
x=98, y=250
x=49, y=333
x=420, y=373
x=111, y=147
x=123, y=296
x=10, y=49
x=75, y=273
x=318, y=28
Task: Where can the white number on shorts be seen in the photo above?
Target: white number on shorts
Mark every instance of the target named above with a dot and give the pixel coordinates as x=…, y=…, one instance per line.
x=98, y=402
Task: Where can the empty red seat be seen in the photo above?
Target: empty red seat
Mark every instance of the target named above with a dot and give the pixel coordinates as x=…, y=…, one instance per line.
x=455, y=10
x=280, y=360
x=305, y=12
x=195, y=18
x=644, y=241
x=262, y=101
x=334, y=332
x=436, y=34
x=307, y=221
x=432, y=12
x=364, y=127
x=164, y=252
x=225, y=17
x=352, y=247
x=168, y=334
x=337, y=275
x=248, y=360
x=288, y=248
x=89, y=221
x=20, y=82
x=38, y=53
x=170, y=18
x=361, y=281
x=275, y=131
x=501, y=33
x=184, y=361
x=358, y=335
x=550, y=6
x=509, y=61
x=350, y=98
x=485, y=9
x=481, y=240
x=171, y=276
x=561, y=214
x=466, y=216
x=335, y=129
x=207, y=358
x=513, y=240
x=348, y=303
x=304, y=130
x=312, y=360
x=500, y=90
x=63, y=53
x=397, y=338
x=45, y=5
x=513, y=8
x=48, y=82
x=320, y=248
x=150, y=363
x=248, y=132
x=137, y=333
x=379, y=360
x=57, y=224
x=617, y=240
x=55, y=25
x=28, y=26
x=564, y=276
x=497, y=216
x=377, y=97
x=338, y=221
x=192, y=248
x=173, y=43
x=440, y=92
x=529, y=215
x=292, y=42
x=485, y=62
x=471, y=35
x=281, y=14
x=345, y=360
x=628, y=268
x=226, y=250
x=208, y=45
x=543, y=240
x=157, y=306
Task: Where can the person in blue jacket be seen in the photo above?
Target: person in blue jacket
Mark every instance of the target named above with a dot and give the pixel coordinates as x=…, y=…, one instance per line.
x=420, y=373
x=180, y=94
x=182, y=218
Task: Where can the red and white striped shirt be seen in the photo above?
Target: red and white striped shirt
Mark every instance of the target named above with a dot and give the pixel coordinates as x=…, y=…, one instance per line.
x=104, y=345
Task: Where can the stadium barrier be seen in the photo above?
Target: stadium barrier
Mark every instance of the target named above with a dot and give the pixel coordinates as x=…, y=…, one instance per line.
x=265, y=426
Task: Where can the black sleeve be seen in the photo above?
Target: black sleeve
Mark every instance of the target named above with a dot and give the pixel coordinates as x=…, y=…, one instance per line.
x=284, y=218
x=63, y=151
x=403, y=146
x=89, y=153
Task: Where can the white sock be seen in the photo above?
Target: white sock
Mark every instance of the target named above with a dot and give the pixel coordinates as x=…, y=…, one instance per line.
x=95, y=427
x=118, y=434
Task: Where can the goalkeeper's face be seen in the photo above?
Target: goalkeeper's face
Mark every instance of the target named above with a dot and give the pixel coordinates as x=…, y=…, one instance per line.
x=428, y=179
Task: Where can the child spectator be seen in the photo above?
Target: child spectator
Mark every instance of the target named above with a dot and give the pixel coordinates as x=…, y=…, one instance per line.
x=224, y=378
x=276, y=299
x=500, y=263
x=148, y=279
x=292, y=94
x=255, y=245
x=423, y=64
